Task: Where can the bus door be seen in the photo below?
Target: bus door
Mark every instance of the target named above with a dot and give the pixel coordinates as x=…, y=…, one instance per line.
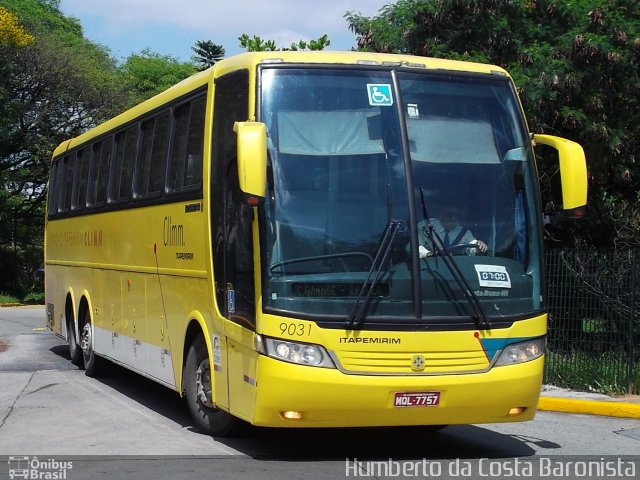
x=233, y=256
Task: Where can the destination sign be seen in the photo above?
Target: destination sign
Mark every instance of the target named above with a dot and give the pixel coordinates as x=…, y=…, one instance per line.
x=304, y=289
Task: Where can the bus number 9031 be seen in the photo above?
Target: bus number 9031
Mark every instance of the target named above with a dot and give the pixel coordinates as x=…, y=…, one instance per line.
x=295, y=329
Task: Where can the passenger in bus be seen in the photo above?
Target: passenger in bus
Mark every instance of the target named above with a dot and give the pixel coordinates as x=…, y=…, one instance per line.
x=457, y=238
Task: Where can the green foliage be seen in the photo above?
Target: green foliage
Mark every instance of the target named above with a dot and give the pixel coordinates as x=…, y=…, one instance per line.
x=147, y=73
x=7, y=299
x=314, y=45
x=40, y=16
x=593, y=300
x=590, y=373
x=52, y=88
x=386, y=32
x=207, y=54
x=11, y=32
x=577, y=67
x=257, y=44
x=34, y=298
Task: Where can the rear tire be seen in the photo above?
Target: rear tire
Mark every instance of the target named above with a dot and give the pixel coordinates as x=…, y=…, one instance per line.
x=198, y=389
x=75, y=352
x=93, y=364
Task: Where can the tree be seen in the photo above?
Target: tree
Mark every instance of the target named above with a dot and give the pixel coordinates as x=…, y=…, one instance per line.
x=314, y=45
x=257, y=44
x=577, y=67
x=384, y=33
x=11, y=32
x=146, y=74
x=207, y=54
x=52, y=87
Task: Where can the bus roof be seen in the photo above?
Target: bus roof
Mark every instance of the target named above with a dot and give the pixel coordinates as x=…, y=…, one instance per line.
x=253, y=59
x=245, y=60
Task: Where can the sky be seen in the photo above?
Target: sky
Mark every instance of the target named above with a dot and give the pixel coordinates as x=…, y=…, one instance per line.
x=171, y=27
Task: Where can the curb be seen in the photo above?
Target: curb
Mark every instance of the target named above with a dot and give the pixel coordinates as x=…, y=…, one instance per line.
x=21, y=305
x=590, y=407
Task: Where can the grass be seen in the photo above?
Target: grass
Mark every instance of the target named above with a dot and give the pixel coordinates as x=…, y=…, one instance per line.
x=32, y=298
x=6, y=299
x=603, y=373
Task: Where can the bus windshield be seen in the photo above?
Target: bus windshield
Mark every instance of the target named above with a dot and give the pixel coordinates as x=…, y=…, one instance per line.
x=355, y=151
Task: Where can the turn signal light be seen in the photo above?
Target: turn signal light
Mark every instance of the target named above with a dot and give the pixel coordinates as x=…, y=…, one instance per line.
x=291, y=415
x=516, y=411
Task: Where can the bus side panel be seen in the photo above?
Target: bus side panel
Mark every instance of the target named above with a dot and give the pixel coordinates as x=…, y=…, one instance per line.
x=242, y=361
x=100, y=313
x=173, y=302
x=123, y=340
x=55, y=296
x=113, y=305
x=159, y=364
x=220, y=365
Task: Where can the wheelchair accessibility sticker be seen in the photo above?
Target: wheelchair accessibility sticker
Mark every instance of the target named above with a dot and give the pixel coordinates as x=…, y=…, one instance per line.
x=379, y=94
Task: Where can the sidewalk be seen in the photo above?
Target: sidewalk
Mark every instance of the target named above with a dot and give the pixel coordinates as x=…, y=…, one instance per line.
x=563, y=400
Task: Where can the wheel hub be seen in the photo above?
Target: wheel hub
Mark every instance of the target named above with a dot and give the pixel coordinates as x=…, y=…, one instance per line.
x=85, y=339
x=203, y=384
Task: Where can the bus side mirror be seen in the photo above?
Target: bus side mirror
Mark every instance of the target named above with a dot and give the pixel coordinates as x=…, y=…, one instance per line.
x=252, y=157
x=573, y=172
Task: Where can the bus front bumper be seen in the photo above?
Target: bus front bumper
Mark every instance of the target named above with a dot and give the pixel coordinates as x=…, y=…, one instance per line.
x=299, y=396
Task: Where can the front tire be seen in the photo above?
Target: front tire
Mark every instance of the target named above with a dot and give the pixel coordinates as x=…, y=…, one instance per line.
x=198, y=388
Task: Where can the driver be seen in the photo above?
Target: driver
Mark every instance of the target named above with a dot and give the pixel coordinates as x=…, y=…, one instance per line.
x=450, y=231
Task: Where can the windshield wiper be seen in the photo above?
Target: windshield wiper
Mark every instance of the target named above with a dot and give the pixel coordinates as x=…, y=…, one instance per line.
x=439, y=247
x=361, y=305
x=315, y=258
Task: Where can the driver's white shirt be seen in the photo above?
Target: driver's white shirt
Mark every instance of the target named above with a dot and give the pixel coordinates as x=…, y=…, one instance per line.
x=467, y=238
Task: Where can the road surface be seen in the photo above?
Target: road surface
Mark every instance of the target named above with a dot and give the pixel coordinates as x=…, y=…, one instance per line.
x=125, y=426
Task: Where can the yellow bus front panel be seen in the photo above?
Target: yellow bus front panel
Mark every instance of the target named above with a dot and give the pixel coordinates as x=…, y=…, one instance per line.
x=385, y=378
x=328, y=398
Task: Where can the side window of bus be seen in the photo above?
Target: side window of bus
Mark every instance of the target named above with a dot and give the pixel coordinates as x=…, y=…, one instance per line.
x=124, y=159
x=185, y=163
x=79, y=200
x=69, y=171
x=52, y=200
x=150, y=168
x=99, y=176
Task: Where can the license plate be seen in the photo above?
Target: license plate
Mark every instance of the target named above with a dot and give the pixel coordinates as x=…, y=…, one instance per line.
x=417, y=399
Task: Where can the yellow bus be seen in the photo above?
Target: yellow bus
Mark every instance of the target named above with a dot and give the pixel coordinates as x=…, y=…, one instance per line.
x=297, y=239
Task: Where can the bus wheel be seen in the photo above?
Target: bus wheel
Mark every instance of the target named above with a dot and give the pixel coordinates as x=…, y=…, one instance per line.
x=75, y=352
x=92, y=362
x=198, y=388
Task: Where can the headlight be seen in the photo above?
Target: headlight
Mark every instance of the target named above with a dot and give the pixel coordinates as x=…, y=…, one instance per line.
x=521, y=352
x=299, y=353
